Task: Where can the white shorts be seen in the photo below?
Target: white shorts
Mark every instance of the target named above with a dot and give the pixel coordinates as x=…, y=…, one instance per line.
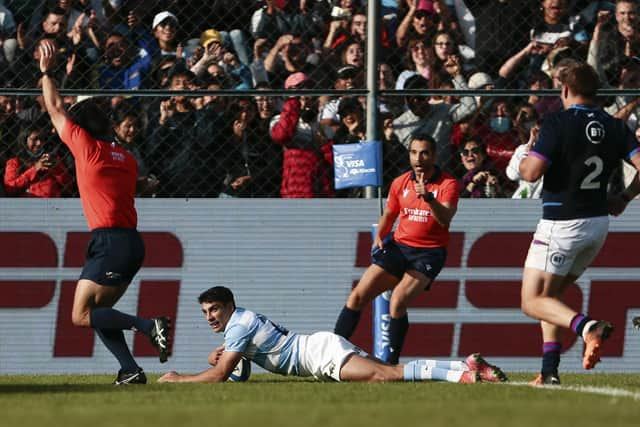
x=568, y=246
x=322, y=355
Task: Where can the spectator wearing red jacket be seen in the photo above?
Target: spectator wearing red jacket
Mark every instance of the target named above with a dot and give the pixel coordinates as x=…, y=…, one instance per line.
x=307, y=154
x=499, y=135
x=36, y=172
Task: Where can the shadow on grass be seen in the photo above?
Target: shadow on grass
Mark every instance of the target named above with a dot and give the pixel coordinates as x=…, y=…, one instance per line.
x=55, y=388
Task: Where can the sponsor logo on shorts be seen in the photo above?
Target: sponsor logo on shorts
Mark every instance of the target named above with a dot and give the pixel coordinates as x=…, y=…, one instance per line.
x=113, y=275
x=332, y=367
x=557, y=259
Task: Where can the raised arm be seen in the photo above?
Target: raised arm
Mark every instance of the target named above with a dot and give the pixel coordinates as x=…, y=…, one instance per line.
x=593, y=56
x=511, y=64
x=52, y=99
x=442, y=212
x=403, y=29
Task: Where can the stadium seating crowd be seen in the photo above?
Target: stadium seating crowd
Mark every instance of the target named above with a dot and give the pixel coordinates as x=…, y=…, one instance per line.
x=267, y=146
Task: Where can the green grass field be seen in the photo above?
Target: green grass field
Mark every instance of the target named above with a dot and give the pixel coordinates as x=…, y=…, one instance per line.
x=269, y=400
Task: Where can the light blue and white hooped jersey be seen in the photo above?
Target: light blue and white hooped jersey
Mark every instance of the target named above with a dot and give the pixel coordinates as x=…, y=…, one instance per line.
x=262, y=341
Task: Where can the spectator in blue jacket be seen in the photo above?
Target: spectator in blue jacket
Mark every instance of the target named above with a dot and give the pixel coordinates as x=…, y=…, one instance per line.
x=126, y=66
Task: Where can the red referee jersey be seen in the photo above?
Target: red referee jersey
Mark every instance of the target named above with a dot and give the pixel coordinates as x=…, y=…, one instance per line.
x=416, y=225
x=107, y=175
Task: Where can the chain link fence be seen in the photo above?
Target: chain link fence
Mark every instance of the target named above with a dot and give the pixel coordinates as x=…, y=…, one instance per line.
x=448, y=55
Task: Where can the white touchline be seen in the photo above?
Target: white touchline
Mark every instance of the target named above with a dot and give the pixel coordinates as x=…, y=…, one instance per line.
x=605, y=391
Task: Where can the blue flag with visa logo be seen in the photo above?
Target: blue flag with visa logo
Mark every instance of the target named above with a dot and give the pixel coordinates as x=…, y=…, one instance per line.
x=357, y=165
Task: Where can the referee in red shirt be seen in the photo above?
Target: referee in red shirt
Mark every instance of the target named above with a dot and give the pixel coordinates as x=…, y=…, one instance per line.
x=107, y=175
x=425, y=200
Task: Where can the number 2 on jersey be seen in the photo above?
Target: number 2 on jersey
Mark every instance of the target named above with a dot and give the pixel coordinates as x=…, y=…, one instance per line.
x=590, y=182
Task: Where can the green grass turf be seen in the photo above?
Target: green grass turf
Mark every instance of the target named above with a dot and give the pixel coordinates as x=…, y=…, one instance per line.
x=270, y=400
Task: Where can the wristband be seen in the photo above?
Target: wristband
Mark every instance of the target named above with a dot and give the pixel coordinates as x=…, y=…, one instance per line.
x=48, y=73
x=428, y=196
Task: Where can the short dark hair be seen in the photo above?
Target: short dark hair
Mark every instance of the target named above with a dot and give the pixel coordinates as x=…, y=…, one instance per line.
x=421, y=136
x=581, y=78
x=217, y=294
x=93, y=116
x=416, y=81
x=349, y=105
x=126, y=108
x=55, y=10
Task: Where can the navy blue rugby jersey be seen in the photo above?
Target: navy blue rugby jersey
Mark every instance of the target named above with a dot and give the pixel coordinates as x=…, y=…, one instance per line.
x=582, y=146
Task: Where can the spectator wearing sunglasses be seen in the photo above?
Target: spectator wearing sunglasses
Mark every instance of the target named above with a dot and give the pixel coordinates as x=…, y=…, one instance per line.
x=481, y=180
x=422, y=20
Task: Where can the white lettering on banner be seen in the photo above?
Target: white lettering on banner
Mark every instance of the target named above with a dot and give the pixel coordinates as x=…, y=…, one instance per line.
x=265, y=262
x=361, y=171
x=355, y=163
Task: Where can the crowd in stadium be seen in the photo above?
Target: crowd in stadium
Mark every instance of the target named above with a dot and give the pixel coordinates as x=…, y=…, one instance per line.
x=264, y=146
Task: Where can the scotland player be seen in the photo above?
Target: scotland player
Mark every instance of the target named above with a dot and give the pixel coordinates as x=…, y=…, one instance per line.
x=576, y=151
x=107, y=175
x=323, y=355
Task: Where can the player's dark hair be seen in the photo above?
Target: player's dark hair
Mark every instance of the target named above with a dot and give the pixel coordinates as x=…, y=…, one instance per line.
x=423, y=137
x=93, y=116
x=217, y=294
x=581, y=78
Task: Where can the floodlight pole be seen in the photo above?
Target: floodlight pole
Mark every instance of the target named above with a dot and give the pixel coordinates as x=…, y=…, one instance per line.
x=373, y=37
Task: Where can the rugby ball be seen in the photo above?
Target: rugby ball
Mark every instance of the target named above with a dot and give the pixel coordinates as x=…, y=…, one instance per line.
x=241, y=372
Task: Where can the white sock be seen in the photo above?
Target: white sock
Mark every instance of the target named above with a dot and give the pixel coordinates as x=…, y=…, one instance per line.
x=586, y=328
x=454, y=365
x=439, y=374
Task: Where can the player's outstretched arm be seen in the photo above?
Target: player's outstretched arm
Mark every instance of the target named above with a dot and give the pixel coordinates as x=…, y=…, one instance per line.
x=215, y=355
x=52, y=99
x=217, y=374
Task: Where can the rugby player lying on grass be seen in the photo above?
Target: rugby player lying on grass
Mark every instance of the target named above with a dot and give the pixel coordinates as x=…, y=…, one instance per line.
x=323, y=355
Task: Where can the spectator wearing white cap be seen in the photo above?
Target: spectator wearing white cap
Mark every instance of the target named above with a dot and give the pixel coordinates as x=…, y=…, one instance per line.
x=481, y=81
x=165, y=28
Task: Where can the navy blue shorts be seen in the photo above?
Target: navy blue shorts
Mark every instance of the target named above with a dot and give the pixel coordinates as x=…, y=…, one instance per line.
x=396, y=259
x=114, y=256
